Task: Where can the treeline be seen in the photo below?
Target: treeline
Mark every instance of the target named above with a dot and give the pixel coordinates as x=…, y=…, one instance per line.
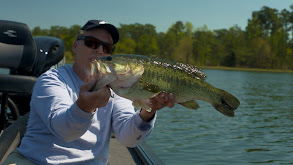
x=266, y=42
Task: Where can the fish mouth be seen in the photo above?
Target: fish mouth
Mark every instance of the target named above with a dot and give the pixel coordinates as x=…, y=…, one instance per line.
x=95, y=68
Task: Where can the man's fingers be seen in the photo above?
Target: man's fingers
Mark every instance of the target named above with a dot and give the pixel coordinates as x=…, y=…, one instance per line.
x=161, y=100
x=89, y=101
x=171, y=100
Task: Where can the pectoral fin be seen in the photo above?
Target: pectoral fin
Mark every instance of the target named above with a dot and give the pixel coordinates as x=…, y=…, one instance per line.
x=190, y=104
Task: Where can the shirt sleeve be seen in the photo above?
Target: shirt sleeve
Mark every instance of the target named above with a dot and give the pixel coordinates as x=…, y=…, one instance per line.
x=62, y=116
x=128, y=126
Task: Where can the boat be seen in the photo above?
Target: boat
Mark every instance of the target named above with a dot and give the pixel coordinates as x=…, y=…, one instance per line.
x=26, y=58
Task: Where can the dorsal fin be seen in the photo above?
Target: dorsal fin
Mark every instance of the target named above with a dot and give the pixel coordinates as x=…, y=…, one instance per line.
x=192, y=70
x=189, y=69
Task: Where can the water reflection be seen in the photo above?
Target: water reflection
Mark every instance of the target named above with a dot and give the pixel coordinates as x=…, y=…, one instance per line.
x=261, y=131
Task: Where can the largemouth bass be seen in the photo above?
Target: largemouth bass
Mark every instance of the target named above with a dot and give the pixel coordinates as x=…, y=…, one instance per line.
x=139, y=78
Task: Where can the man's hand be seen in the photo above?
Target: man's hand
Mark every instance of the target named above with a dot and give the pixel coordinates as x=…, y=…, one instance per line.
x=90, y=101
x=158, y=102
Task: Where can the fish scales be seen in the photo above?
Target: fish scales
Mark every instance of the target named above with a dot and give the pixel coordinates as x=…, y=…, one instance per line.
x=182, y=80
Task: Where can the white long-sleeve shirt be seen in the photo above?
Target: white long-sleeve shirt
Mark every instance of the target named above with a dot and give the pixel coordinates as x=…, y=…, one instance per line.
x=59, y=132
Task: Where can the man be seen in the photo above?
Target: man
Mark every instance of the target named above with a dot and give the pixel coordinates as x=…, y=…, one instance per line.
x=70, y=125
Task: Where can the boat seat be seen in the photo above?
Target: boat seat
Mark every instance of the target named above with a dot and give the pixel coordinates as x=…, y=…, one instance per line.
x=27, y=58
x=18, y=54
x=50, y=52
x=17, y=47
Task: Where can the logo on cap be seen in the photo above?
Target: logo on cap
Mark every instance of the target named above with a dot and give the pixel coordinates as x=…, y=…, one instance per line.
x=103, y=22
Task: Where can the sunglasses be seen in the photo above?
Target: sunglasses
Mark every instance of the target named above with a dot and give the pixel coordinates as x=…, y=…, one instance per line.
x=94, y=43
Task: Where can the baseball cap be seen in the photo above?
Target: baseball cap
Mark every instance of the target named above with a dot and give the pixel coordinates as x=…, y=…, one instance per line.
x=105, y=25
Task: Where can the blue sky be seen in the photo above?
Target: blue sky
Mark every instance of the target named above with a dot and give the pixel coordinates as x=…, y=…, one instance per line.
x=216, y=14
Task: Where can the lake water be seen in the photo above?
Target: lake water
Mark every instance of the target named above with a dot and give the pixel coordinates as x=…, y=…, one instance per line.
x=260, y=133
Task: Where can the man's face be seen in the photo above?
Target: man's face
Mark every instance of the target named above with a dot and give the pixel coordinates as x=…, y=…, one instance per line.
x=84, y=54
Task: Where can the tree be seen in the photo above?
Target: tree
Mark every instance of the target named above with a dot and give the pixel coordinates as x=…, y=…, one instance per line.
x=270, y=28
x=174, y=34
x=162, y=45
x=183, y=50
x=125, y=46
x=204, y=47
x=143, y=35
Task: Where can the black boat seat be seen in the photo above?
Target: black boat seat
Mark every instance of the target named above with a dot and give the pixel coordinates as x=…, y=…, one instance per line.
x=27, y=58
x=17, y=47
x=50, y=51
x=17, y=84
x=17, y=53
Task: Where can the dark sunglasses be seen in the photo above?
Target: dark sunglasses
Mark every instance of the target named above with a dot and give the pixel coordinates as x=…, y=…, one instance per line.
x=94, y=43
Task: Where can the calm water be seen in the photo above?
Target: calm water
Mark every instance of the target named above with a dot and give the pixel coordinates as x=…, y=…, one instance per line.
x=260, y=132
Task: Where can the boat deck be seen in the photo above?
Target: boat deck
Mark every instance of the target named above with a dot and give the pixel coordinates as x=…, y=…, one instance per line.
x=119, y=154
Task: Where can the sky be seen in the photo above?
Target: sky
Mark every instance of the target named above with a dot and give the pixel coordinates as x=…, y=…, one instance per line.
x=216, y=14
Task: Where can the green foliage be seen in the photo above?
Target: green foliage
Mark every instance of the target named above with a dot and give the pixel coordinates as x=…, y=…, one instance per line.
x=125, y=46
x=205, y=46
x=147, y=45
x=183, y=50
x=266, y=42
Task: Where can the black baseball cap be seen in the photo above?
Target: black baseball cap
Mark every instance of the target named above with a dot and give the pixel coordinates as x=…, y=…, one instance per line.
x=105, y=25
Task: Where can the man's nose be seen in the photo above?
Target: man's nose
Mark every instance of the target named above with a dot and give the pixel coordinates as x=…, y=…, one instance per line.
x=100, y=49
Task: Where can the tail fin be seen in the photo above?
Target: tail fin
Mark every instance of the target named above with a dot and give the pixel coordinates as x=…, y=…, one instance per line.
x=227, y=103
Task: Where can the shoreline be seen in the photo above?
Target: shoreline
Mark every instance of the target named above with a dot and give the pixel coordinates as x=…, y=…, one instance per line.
x=246, y=69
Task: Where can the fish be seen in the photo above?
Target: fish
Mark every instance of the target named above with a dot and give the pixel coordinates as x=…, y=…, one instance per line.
x=139, y=78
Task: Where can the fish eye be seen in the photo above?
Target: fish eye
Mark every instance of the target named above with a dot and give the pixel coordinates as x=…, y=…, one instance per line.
x=109, y=58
